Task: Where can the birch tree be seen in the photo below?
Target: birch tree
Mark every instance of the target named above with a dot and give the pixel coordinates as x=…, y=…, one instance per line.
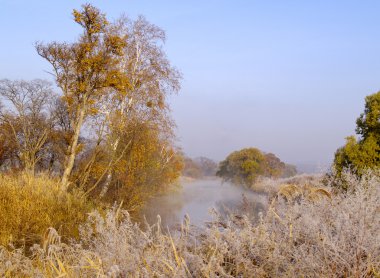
x=151, y=79
x=85, y=71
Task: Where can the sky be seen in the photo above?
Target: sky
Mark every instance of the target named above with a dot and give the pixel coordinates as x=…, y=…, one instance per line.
x=287, y=77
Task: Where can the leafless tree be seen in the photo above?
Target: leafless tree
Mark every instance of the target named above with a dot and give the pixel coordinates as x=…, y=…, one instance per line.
x=26, y=123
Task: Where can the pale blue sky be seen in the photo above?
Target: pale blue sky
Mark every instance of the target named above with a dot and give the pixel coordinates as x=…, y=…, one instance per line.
x=288, y=77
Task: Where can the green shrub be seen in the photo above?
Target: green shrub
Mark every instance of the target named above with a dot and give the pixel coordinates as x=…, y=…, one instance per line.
x=362, y=154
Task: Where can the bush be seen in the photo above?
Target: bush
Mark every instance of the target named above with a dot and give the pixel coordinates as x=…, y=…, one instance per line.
x=30, y=205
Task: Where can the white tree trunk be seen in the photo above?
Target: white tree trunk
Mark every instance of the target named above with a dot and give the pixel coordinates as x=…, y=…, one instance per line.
x=72, y=149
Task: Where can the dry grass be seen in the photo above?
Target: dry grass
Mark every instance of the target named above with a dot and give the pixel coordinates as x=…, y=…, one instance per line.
x=331, y=236
x=30, y=205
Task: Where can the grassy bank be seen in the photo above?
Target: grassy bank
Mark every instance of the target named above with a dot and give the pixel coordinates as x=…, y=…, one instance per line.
x=334, y=235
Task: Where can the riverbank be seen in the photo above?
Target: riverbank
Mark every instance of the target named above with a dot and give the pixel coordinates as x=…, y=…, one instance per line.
x=326, y=237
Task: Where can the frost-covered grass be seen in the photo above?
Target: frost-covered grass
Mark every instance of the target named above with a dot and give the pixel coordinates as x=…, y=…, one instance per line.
x=271, y=186
x=328, y=235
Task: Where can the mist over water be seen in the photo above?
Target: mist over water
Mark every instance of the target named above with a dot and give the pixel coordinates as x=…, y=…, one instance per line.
x=197, y=199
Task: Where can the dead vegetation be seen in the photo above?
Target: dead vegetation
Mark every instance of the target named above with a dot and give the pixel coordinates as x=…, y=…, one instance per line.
x=306, y=232
x=30, y=205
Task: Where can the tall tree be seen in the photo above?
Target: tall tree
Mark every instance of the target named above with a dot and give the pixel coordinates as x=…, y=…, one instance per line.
x=85, y=71
x=151, y=79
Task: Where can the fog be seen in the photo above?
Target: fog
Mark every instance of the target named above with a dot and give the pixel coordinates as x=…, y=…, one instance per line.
x=199, y=198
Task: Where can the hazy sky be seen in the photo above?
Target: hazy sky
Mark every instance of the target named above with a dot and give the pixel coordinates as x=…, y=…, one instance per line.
x=288, y=77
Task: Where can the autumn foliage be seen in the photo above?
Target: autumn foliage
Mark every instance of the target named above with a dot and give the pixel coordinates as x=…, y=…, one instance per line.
x=106, y=133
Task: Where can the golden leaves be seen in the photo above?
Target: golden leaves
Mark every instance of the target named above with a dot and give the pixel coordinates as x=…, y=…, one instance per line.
x=91, y=19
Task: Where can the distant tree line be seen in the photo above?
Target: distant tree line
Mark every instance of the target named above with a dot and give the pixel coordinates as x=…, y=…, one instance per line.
x=199, y=167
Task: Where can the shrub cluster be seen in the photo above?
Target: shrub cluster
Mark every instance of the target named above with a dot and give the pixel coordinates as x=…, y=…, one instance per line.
x=245, y=166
